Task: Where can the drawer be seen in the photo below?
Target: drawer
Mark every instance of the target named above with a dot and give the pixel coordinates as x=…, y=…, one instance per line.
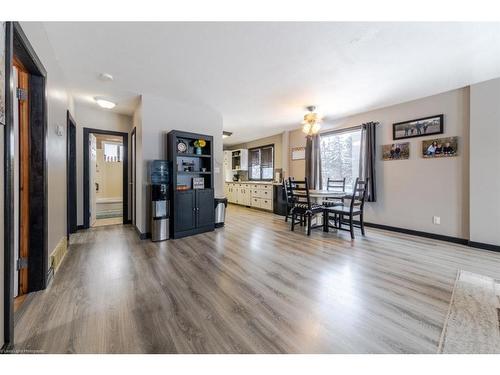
x=267, y=187
x=267, y=194
x=255, y=202
x=255, y=193
x=266, y=204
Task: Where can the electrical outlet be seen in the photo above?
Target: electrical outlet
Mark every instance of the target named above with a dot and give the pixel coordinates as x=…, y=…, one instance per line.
x=436, y=220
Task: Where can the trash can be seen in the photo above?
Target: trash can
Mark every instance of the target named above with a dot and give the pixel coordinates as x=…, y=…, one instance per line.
x=220, y=211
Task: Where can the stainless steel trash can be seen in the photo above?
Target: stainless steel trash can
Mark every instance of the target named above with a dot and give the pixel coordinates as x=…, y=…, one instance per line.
x=220, y=211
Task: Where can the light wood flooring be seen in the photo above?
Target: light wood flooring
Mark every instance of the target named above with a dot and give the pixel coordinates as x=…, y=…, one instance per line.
x=251, y=287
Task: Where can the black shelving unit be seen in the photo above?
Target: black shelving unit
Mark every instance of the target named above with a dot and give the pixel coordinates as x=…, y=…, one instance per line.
x=192, y=209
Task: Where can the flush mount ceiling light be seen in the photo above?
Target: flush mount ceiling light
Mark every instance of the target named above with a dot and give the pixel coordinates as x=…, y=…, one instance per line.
x=311, y=123
x=105, y=77
x=226, y=134
x=104, y=103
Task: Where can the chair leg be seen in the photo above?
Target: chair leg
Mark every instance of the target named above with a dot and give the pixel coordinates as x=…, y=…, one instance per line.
x=293, y=221
x=362, y=224
x=351, y=227
x=308, y=219
x=286, y=216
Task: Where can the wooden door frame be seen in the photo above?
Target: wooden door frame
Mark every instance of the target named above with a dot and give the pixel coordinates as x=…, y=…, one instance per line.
x=133, y=171
x=16, y=43
x=86, y=172
x=70, y=162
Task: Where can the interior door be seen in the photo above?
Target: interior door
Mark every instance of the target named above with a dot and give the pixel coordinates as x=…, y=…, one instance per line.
x=92, y=179
x=24, y=178
x=132, y=177
x=16, y=184
x=71, y=172
x=205, y=207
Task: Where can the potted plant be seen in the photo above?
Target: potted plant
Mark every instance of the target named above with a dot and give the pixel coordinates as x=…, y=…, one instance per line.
x=199, y=144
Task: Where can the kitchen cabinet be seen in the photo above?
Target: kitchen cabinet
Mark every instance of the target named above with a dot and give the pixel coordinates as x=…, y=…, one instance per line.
x=251, y=194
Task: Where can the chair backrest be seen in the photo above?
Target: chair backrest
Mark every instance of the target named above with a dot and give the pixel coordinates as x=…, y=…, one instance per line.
x=299, y=191
x=359, y=194
x=335, y=185
x=287, y=189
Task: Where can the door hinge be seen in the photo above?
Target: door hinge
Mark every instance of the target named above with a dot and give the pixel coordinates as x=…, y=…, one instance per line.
x=22, y=94
x=22, y=263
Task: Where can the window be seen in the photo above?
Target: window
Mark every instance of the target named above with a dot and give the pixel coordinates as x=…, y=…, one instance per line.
x=113, y=152
x=261, y=163
x=340, y=156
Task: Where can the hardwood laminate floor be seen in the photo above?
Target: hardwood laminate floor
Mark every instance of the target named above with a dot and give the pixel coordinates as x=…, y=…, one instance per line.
x=251, y=287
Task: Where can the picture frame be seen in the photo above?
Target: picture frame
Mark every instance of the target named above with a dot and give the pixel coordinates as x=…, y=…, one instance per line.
x=298, y=153
x=440, y=148
x=198, y=183
x=420, y=127
x=396, y=151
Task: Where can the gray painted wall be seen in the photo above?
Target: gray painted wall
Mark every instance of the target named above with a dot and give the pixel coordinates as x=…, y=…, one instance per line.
x=1, y=236
x=91, y=116
x=485, y=162
x=157, y=117
x=410, y=192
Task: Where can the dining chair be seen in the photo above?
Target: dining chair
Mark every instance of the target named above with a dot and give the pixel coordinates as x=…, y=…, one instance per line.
x=287, y=190
x=302, y=205
x=355, y=208
x=337, y=186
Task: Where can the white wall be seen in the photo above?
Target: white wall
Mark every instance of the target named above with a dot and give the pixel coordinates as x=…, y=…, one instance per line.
x=59, y=101
x=159, y=116
x=410, y=192
x=485, y=162
x=90, y=116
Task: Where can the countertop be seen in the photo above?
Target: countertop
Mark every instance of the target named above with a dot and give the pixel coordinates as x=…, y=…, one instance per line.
x=254, y=182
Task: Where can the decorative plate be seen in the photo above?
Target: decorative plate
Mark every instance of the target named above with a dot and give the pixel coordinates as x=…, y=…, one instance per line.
x=181, y=146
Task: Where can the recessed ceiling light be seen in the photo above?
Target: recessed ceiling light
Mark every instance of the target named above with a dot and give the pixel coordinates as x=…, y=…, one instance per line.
x=105, y=103
x=226, y=134
x=105, y=77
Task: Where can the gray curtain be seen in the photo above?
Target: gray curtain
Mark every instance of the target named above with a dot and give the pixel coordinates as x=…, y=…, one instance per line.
x=367, y=159
x=313, y=162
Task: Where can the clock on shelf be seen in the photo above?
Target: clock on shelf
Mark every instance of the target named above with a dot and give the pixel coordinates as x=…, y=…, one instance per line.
x=181, y=146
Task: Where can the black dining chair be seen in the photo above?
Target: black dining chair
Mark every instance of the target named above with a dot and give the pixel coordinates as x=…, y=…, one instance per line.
x=356, y=208
x=302, y=205
x=287, y=190
x=337, y=186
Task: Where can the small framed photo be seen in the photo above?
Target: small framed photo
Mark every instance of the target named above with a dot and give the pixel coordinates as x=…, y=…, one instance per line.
x=298, y=153
x=420, y=127
x=440, y=147
x=198, y=183
x=396, y=151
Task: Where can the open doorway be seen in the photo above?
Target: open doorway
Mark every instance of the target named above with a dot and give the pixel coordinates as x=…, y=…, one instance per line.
x=105, y=177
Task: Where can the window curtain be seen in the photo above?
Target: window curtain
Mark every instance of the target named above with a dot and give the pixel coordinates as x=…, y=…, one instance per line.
x=367, y=159
x=313, y=162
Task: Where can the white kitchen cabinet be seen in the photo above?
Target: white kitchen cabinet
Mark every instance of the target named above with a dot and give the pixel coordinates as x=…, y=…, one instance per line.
x=239, y=160
x=250, y=194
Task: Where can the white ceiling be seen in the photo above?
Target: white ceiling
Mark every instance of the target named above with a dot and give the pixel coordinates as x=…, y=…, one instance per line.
x=260, y=76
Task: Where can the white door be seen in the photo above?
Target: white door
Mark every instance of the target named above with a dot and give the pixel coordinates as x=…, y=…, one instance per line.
x=92, y=178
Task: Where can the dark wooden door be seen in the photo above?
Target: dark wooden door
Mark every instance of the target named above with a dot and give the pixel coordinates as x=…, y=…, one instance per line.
x=185, y=210
x=205, y=208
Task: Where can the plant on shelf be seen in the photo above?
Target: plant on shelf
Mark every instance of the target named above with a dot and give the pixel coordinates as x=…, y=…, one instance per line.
x=199, y=144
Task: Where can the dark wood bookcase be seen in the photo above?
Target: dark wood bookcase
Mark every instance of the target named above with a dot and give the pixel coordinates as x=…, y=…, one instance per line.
x=192, y=210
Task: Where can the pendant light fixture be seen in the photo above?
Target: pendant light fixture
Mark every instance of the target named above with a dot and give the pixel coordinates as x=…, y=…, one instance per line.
x=311, y=123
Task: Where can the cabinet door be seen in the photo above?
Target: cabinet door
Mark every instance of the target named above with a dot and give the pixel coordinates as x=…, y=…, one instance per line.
x=205, y=215
x=185, y=210
x=246, y=196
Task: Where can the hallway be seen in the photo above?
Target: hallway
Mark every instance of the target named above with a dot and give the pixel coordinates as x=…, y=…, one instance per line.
x=251, y=287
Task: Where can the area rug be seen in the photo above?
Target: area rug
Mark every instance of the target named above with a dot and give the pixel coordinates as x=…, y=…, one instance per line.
x=473, y=321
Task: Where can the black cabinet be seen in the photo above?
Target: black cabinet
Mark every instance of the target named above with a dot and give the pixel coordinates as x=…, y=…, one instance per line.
x=194, y=213
x=192, y=209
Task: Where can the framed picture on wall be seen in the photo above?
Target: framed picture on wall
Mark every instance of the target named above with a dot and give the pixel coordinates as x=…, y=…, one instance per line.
x=298, y=153
x=440, y=147
x=396, y=151
x=420, y=127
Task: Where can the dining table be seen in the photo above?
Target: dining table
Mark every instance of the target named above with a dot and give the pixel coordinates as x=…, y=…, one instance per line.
x=323, y=194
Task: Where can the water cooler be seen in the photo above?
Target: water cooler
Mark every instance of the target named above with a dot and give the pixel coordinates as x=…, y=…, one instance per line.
x=160, y=205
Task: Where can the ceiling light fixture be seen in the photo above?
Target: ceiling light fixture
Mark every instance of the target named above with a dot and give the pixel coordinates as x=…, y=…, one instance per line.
x=105, y=77
x=226, y=134
x=311, y=123
x=104, y=103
